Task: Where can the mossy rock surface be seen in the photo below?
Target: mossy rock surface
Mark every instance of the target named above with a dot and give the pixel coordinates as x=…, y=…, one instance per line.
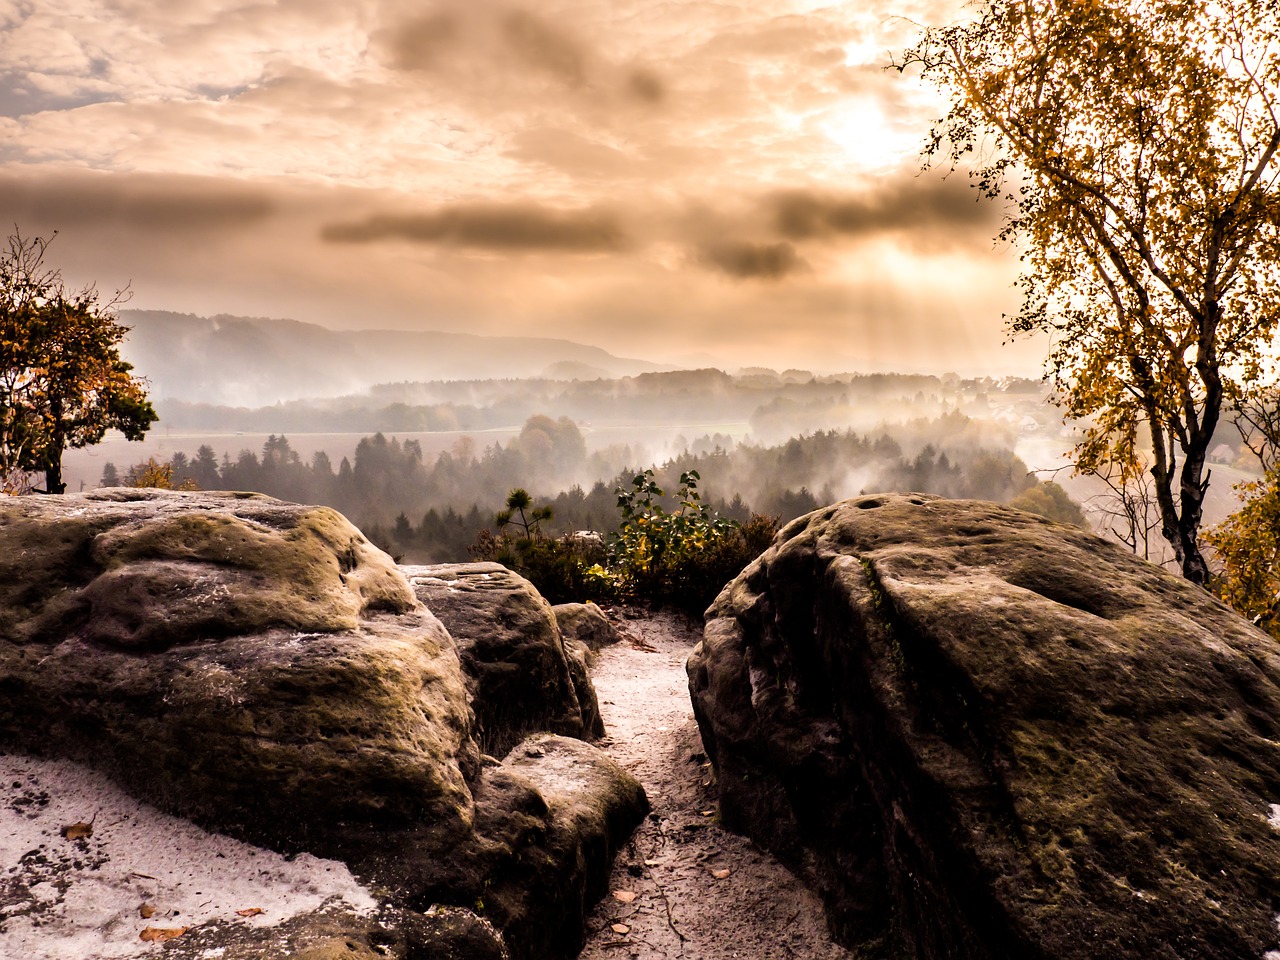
x=156, y=568
x=549, y=820
x=586, y=623
x=251, y=664
x=524, y=681
x=260, y=668
x=986, y=735
x=334, y=933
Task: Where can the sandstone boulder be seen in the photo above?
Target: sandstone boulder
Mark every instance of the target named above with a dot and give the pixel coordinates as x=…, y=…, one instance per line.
x=586, y=624
x=984, y=735
x=580, y=657
x=549, y=821
x=337, y=934
x=511, y=649
x=260, y=668
x=256, y=665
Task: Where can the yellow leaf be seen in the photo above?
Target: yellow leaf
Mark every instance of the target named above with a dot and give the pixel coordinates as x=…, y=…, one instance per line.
x=620, y=928
x=250, y=912
x=719, y=874
x=78, y=830
x=147, y=910
x=626, y=896
x=161, y=934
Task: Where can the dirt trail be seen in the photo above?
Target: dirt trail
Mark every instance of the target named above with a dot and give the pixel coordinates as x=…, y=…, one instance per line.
x=700, y=892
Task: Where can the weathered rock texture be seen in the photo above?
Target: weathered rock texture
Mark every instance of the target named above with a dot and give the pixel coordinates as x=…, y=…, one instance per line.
x=512, y=650
x=259, y=667
x=549, y=821
x=585, y=623
x=984, y=735
x=249, y=662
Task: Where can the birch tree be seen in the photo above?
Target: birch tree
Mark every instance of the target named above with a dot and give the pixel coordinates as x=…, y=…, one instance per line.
x=1135, y=144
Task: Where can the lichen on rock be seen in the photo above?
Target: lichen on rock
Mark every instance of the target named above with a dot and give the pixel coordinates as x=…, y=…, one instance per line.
x=512, y=651
x=157, y=568
x=985, y=735
x=262, y=669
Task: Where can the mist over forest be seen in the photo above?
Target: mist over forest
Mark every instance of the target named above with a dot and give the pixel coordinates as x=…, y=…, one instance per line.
x=777, y=444
x=422, y=465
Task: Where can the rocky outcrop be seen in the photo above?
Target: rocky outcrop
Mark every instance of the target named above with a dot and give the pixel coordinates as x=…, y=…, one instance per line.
x=260, y=668
x=586, y=624
x=983, y=735
x=586, y=631
x=512, y=651
x=549, y=821
x=254, y=664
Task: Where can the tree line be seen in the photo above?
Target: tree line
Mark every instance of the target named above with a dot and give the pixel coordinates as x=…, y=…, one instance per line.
x=432, y=510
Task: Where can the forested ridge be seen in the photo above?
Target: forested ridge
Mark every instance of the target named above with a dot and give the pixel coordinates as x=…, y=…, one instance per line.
x=432, y=509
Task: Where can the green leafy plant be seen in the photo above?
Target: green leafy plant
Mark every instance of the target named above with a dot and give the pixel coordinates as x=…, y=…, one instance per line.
x=518, y=502
x=679, y=556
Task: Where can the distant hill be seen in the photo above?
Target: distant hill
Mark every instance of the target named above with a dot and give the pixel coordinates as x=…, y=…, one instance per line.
x=255, y=361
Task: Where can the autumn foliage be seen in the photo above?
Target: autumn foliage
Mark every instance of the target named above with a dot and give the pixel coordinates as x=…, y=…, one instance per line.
x=62, y=381
x=1135, y=145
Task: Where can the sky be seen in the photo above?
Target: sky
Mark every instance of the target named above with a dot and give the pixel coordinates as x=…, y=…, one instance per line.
x=736, y=183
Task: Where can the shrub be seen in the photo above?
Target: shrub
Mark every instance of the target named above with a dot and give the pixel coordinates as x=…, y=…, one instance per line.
x=1247, y=545
x=681, y=558
x=564, y=569
x=684, y=557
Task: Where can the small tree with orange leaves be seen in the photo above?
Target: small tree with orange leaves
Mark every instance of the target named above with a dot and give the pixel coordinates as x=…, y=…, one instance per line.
x=63, y=383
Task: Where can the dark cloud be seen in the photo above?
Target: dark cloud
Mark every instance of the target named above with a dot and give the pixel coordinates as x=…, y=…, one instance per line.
x=646, y=86
x=490, y=226
x=752, y=261
x=66, y=199
x=420, y=43
x=541, y=45
x=497, y=53
x=907, y=204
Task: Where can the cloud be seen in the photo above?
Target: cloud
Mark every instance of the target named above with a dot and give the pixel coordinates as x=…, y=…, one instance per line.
x=502, y=59
x=545, y=47
x=505, y=226
x=946, y=210
x=495, y=37
x=574, y=155
x=64, y=200
x=647, y=86
x=420, y=43
x=752, y=261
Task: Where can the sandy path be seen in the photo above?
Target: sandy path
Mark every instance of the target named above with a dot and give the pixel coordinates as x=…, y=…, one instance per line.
x=685, y=905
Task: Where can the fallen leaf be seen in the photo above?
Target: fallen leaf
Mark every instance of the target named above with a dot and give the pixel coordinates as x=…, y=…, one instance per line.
x=719, y=874
x=78, y=830
x=620, y=928
x=251, y=912
x=626, y=896
x=147, y=911
x=161, y=934
x=653, y=863
x=706, y=813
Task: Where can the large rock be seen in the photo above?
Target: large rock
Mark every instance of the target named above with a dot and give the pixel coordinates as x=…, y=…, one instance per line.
x=512, y=650
x=260, y=668
x=985, y=735
x=256, y=665
x=586, y=624
x=549, y=821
